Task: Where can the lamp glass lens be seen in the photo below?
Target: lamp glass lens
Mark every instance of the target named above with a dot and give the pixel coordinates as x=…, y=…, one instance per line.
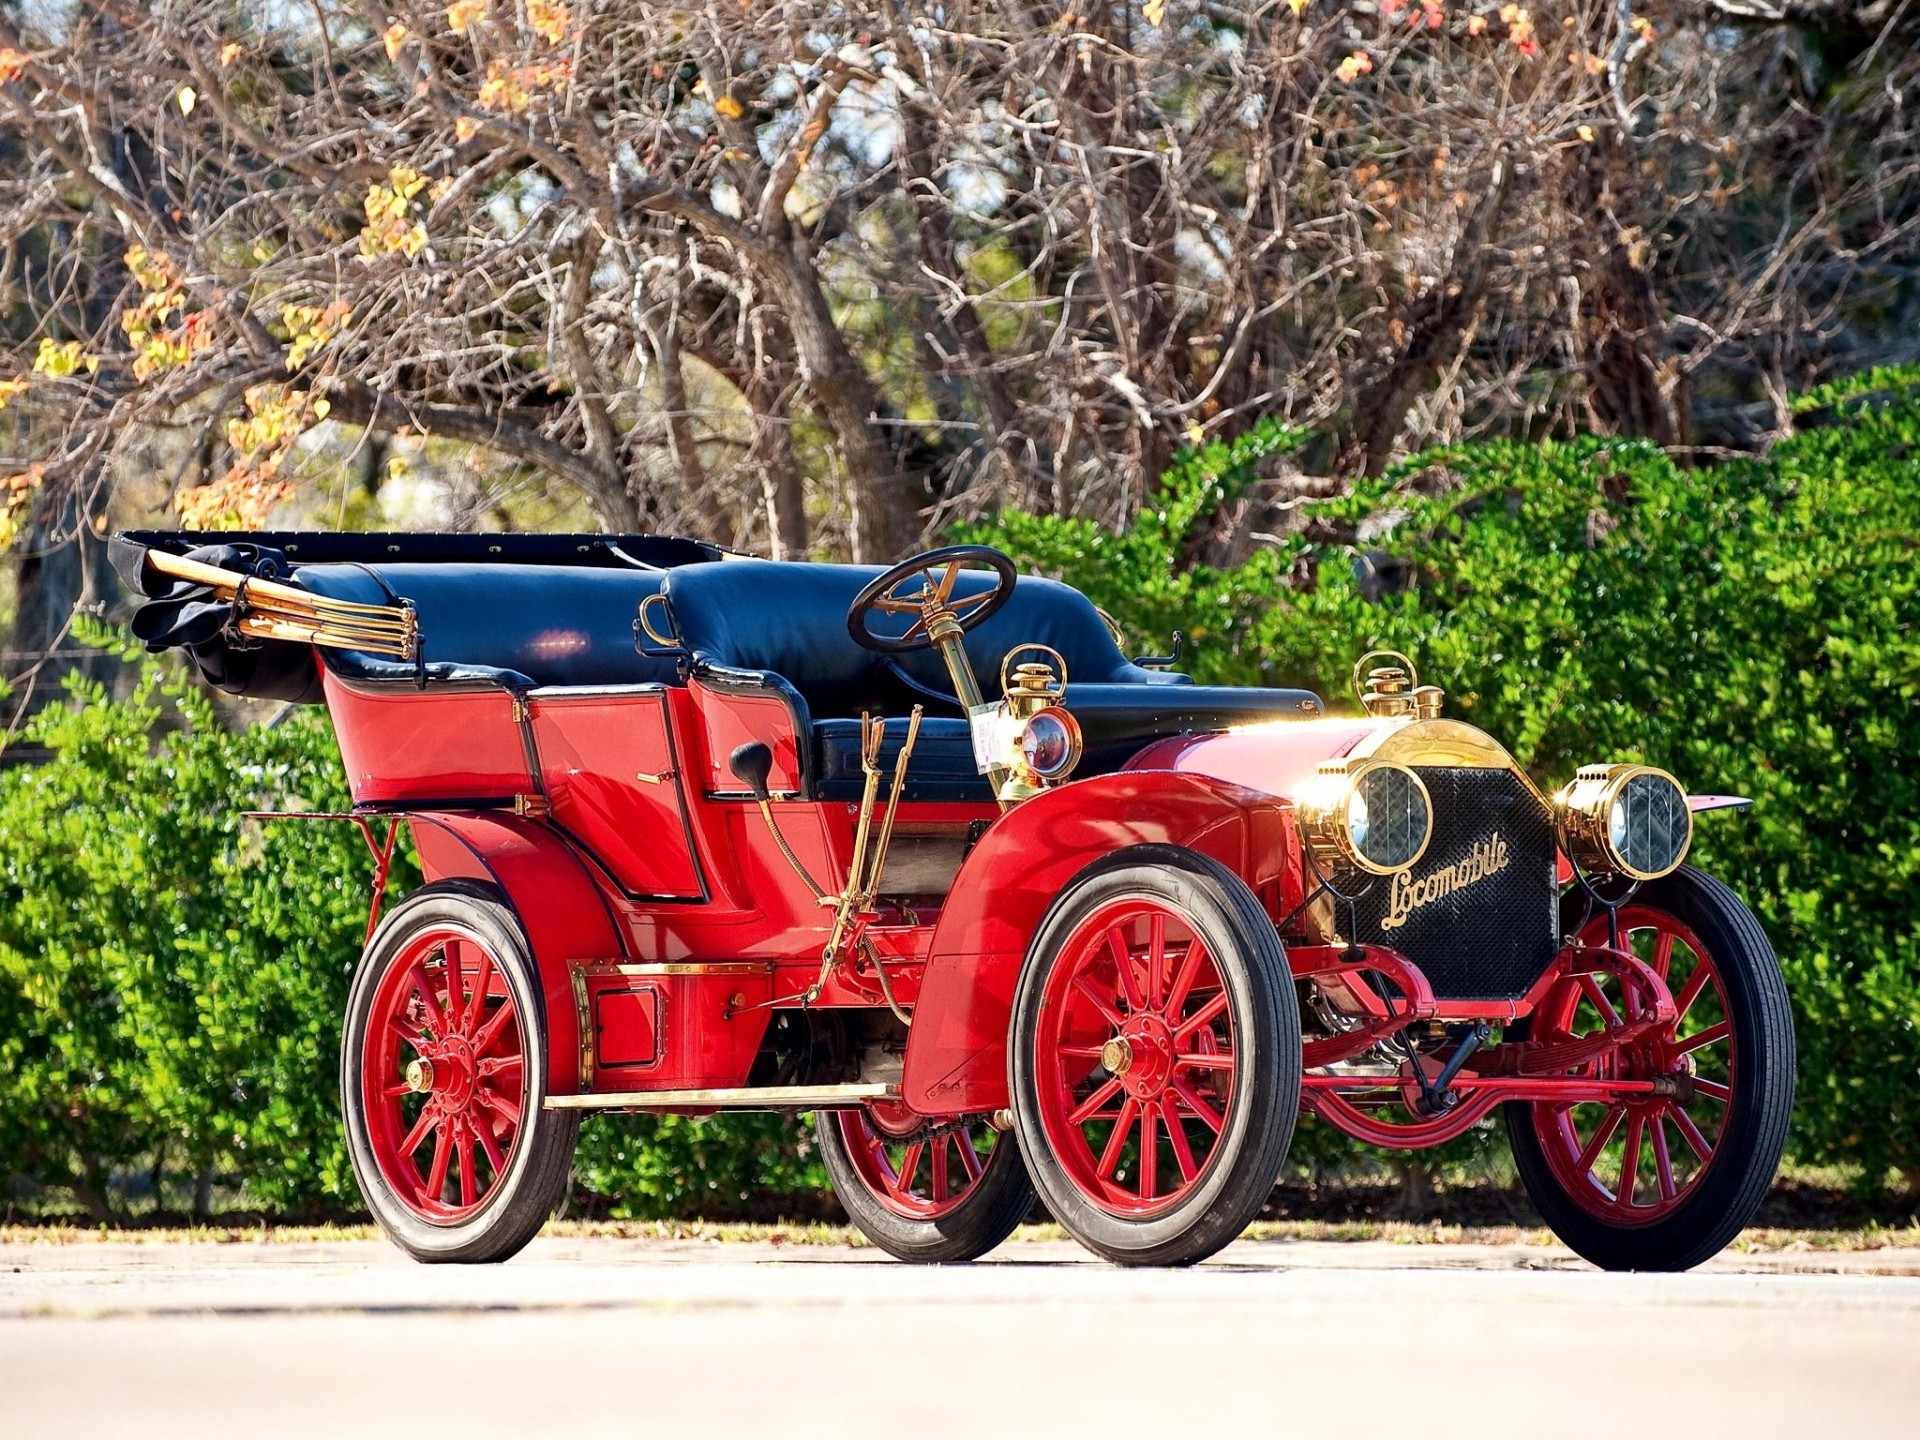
x=1649, y=825
x=1046, y=744
x=1388, y=818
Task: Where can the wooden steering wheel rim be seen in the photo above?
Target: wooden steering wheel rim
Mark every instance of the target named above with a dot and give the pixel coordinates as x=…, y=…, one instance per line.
x=882, y=586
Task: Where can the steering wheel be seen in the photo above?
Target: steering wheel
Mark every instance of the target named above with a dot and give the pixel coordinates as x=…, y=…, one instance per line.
x=923, y=587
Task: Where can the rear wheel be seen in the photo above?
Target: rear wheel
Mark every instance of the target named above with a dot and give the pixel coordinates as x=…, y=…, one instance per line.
x=925, y=1191
x=1155, y=1057
x=443, y=1078
x=1663, y=1182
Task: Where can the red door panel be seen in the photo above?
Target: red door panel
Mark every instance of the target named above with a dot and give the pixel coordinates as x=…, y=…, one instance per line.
x=611, y=771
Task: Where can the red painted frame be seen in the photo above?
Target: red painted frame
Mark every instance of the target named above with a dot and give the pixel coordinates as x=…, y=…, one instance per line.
x=609, y=821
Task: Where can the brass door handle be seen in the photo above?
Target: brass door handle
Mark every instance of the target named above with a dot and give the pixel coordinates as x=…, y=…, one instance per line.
x=648, y=779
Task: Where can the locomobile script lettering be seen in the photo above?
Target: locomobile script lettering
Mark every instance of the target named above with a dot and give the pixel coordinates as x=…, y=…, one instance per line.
x=1488, y=857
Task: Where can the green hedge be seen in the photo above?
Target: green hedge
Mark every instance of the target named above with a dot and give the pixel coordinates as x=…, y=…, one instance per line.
x=1752, y=626
x=172, y=976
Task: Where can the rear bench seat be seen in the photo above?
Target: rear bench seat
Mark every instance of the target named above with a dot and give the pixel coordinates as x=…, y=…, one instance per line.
x=520, y=626
x=780, y=628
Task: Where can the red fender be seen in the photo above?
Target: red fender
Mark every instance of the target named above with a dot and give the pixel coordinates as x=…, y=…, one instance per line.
x=561, y=910
x=957, y=1045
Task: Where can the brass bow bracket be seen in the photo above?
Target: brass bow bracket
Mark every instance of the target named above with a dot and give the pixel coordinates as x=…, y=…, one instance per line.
x=270, y=610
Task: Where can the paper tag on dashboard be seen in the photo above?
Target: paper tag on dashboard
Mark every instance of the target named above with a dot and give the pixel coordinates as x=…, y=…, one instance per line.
x=993, y=731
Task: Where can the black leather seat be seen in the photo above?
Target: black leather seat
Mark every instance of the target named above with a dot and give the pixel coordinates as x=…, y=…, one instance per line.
x=516, y=625
x=780, y=628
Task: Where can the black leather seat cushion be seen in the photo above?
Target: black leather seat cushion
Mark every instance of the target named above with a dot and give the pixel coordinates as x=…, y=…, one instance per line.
x=790, y=620
x=520, y=625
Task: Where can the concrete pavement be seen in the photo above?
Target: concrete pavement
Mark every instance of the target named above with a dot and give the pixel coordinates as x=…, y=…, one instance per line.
x=603, y=1336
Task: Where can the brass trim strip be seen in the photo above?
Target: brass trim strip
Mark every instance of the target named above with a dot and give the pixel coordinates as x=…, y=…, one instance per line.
x=680, y=967
x=758, y=1097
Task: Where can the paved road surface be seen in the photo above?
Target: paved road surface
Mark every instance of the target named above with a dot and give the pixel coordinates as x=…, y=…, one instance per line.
x=601, y=1338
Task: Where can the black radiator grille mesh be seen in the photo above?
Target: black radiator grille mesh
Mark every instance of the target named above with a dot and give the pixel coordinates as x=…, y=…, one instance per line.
x=1479, y=912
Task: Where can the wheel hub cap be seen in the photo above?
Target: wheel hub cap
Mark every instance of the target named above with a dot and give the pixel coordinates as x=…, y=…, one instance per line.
x=1147, y=1041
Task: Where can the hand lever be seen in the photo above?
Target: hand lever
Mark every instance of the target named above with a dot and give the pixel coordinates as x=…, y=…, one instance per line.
x=751, y=764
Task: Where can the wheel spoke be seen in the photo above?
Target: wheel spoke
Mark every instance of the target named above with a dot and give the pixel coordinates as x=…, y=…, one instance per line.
x=1117, y=1140
x=1182, y=1152
x=1691, y=1132
x=469, y=1185
x=1090, y=1107
x=1608, y=1124
x=1713, y=1090
x=428, y=1119
x=396, y=1090
x=968, y=603
x=456, y=985
x=909, y=1166
x=1123, y=965
x=1690, y=992
x=506, y=1109
x=1609, y=1016
x=1222, y=1060
x=1662, y=1162
x=969, y=1156
x=939, y=1159
x=484, y=1130
x=897, y=605
x=1209, y=1117
x=1149, y=1152
x=1099, y=1002
x=415, y=1038
x=482, y=982
x=1712, y=1035
x=1183, y=980
x=442, y=1153
x=944, y=591
x=490, y=1032
x=1157, y=958
x=497, y=1065
x=436, y=1016
x=1663, y=954
x=1629, y=1163
x=1205, y=1015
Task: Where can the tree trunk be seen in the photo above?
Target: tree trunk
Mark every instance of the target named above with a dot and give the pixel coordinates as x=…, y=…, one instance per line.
x=61, y=566
x=1631, y=389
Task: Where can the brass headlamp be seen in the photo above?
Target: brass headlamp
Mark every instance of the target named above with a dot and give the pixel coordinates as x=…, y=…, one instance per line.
x=1043, y=738
x=1369, y=815
x=1627, y=820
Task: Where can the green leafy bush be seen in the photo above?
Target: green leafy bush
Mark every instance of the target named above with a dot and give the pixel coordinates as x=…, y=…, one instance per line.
x=1754, y=627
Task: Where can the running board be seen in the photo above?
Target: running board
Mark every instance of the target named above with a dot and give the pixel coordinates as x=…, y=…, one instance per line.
x=751, y=1097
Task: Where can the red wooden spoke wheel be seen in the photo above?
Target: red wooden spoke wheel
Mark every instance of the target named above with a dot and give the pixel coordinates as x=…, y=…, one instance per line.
x=1662, y=1179
x=1136, y=1056
x=442, y=1085
x=1633, y=1161
x=443, y=1079
x=1155, y=1056
x=925, y=1189
x=917, y=1170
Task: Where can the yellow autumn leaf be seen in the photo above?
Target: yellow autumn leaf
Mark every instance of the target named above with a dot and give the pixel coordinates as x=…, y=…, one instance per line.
x=11, y=390
x=1585, y=132
x=230, y=52
x=549, y=19
x=395, y=36
x=463, y=13
x=729, y=107
x=1298, y=7
x=188, y=98
x=1155, y=11
x=465, y=127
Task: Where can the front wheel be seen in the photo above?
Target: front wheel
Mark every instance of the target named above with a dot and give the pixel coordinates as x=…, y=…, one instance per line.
x=927, y=1191
x=443, y=1073
x=1664, y=1181
x=1155, y=1057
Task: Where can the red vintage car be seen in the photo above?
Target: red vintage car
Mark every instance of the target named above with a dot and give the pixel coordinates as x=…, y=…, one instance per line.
x=923, y=852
